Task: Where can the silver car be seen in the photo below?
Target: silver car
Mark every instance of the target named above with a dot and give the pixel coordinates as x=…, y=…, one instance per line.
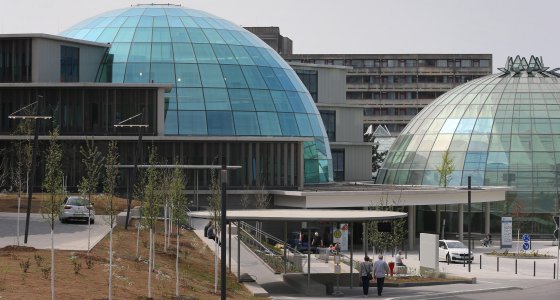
x=452, y=250
x=77, y=208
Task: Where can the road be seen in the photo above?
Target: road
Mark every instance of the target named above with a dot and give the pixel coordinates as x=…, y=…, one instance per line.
x=72, y=236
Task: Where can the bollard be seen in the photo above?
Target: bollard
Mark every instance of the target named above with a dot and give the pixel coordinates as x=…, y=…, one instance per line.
x=480, y=261
x=405, y=253
x=516, y=266
x=497, y=264
x=554, y=271
x=534, y=268
x=463, y=262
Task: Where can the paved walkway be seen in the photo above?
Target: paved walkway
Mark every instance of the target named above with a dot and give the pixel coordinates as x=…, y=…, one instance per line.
x=488, y=277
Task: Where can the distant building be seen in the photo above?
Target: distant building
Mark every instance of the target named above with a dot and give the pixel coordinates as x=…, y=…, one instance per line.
x=271, y=36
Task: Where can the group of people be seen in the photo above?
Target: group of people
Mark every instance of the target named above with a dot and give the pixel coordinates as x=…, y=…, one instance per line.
x=377, y=271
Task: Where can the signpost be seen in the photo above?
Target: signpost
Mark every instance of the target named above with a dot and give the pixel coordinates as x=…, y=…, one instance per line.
x=526, y=242
x=507, y=233
x=338, y=292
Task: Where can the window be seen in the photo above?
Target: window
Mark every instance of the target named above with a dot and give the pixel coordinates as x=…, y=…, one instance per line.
x=484, y=63
x=338, y=164
x=15, y=60
x=310, y=80
x=466, y=63
x=69, y=64
x=329, y=120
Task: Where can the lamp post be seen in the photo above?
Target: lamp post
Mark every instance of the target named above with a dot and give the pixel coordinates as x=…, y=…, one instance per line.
x=134, y=170
x=223, y=177
x=35, y=117
x=469, y=224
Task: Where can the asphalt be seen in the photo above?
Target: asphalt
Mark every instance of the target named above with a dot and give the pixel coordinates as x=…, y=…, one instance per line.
x=492, y=275
x=69, y=236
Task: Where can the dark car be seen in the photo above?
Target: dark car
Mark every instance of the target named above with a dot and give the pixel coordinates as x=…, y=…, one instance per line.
x=299, y=240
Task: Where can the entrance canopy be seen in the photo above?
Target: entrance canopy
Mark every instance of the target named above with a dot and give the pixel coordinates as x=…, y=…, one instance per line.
x=341, y=215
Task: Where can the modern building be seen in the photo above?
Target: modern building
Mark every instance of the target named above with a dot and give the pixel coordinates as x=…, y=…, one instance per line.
x=500, y=130
x=228, y=93
x=271, y=35
x=392, y=88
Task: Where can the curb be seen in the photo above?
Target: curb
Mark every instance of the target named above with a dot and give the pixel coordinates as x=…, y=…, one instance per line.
x=456, y=293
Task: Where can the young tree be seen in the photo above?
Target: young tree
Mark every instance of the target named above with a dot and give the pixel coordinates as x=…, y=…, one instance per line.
x=52, y=185
x=93, y=165
x=179, y=204
x=138, y=191
x=151, y=207
x=377, y=157
x=21, y=165
x=445, y=169
x=215, y=207
x=387, y=240
x=109, y=186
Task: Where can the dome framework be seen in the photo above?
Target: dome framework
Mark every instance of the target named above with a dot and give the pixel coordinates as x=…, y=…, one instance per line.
x=227, y=82
x=502, y=130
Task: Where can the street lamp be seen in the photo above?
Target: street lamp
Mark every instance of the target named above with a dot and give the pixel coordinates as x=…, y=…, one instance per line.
x=138, y=149
x=35, y=117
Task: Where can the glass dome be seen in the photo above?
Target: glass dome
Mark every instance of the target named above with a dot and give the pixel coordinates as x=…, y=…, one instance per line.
x=227, y=81
x=502, y=130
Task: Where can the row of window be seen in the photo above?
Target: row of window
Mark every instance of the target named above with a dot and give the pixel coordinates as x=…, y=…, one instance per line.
x=408, y=95
x=391, y=111
x=376, y=79
x=227, y=123
x=15, y=60
x=400, y=63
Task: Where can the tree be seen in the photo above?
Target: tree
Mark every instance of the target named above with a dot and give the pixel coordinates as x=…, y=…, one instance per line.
x=215, y=207
x=387, y=240
x=179, y=204
x=151, y=207
x=377, y=157
x=109, y=186
x=52, y=185
x=445, y=169
x=138, y=191
x=21, y=165
x=93, y=165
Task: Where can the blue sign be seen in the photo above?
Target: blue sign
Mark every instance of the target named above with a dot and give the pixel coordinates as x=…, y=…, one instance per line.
x=525, y=246
x=526, y=238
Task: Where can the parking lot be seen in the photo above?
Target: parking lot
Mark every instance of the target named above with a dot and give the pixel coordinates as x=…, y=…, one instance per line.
x=71, y=236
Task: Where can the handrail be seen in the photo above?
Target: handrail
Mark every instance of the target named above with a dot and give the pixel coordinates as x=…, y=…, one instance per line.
x=269, y=237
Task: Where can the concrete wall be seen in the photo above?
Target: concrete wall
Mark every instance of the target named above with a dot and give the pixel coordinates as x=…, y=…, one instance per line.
x=45, y=55
x=331, y=85
x=357, y=161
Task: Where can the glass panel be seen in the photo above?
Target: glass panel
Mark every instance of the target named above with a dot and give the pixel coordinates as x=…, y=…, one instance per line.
x=171, y=126
x=213, y=36
x=175, y=22
x=229, y=39
x=161, y=72
x=304, y=125
x=253, y=77
x=179, y=35
x=284, y=80
x=281, y=101
x=256, y=56
x=143, y=35
x=263, y=100
x=211, y=76
x=241, y=55
x=161, y=35
x=146, y=21
x=220, y=123
x=241, y=100
x=137, y=73
x=296, y=102
x=197, y=36
x=124, y=35
x=270, y=78
x=119, y=51
x=223, y=54
x=204, y=53
x=246, y=123
x=288, y=124
x=269, y=124
x=108, y=35
x=466, y=126
x=192, y=122
x=190, y=99
x=188, y=21
x=162, y=52
x=449, y=126
x=187, y=75
x=317, y=125
x=140, y=52
x=160, y=21
x=184, y=53
x=233, y=76
x=216, y=99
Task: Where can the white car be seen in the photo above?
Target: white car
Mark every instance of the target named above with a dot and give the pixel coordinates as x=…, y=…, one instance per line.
x=77, y=208
x=452, y=250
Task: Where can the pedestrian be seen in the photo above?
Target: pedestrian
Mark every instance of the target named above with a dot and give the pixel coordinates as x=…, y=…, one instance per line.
x=380, y=268
x=398, y=259
x=316, y=243
x=206, y=228
x=366, y=270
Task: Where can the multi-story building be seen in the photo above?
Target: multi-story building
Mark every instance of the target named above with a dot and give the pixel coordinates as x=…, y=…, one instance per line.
x=392, y=88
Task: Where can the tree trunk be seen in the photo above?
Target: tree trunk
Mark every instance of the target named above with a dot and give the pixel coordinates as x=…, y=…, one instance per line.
x=137, y=237
x=165, y=225
x=52, y=260
x=18, y=207
x=111, y=263
x=177, y=266
x=150, y=267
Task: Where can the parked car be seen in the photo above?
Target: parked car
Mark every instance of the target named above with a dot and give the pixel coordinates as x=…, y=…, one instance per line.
x=77, y=208
x=452, y=250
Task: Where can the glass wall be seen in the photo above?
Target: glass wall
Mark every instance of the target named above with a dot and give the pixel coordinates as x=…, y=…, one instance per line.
x=310, y=79
x=69, y=64
x=15, y=60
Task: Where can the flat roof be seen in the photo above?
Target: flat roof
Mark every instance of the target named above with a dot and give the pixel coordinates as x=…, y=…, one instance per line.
x=53, y=37
x=304, y=215
x=167, y=86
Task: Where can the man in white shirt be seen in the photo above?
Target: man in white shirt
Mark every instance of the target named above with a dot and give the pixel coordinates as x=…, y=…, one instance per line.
x=398, y=259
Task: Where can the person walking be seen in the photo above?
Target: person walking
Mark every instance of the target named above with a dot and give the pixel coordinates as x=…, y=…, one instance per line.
x=366, y=270
x=380, y=268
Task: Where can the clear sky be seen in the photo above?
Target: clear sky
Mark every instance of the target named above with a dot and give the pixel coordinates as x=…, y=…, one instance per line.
x=499, y=27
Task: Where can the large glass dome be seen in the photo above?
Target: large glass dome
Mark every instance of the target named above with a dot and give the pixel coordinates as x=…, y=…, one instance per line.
x=227, y=81
x=502, y=129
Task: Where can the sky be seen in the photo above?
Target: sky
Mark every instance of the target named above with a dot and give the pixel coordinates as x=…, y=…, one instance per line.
x=500, y=27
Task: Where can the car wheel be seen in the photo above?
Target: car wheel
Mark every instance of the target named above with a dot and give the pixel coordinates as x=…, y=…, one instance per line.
x=62, y=221
x=448, y=258
x=92, y=221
